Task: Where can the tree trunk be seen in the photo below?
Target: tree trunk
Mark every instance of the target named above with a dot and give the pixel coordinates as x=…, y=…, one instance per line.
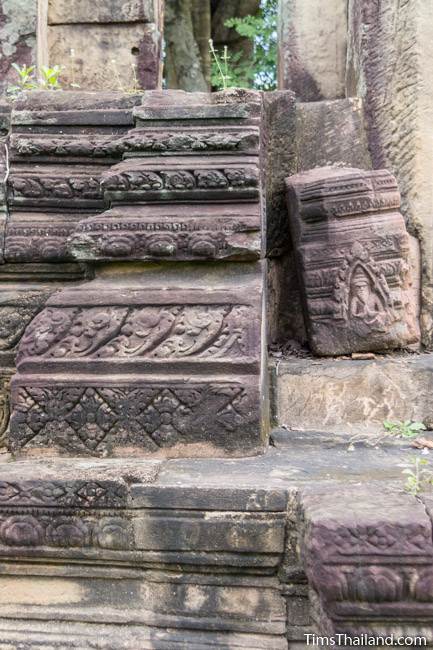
x=201, y=20
x=183, y=63
x=222, y=10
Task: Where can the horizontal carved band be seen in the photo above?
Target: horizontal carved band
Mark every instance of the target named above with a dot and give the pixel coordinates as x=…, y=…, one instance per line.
x=136, y=141
x=153, y=332
x=64, y=494
x=52, y=187
x=25, y=530
x=96, y=420
x=142, y=181
x=181, y=241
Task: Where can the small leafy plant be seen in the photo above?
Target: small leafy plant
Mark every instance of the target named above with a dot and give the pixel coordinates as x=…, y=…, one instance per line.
x=418, y=477
x=406, y=429
x=27, y=80
x=49, y=79
x=126, y=83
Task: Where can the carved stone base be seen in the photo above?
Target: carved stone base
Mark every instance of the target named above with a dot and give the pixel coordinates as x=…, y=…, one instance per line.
x=109, y=554
x=368, y=555
x=147, y=361
x=107, y=558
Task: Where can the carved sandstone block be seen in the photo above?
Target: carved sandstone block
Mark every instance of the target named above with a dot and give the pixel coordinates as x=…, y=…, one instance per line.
x=182, y=179
x=134, y=46
x=181, y=232
x=55, y=170
x=23, y=292
x=112, y=368
x=353, y=260
x=367, y=554
x=188, y=188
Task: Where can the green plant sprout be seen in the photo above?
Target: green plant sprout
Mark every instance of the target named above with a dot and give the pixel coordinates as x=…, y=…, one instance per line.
x=418, y=477
x=48, y=79
x=26, y=80
x=220, y=77
x=406, y=429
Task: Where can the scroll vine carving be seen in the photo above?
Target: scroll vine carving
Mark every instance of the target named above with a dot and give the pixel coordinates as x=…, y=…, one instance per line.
x=146, y=180
x=170, y=332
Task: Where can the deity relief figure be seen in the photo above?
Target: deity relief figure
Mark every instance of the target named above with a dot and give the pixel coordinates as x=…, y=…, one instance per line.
x=365, y=303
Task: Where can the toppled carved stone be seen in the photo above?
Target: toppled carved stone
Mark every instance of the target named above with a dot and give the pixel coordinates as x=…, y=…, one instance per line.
x=353, y=258
x=368, y=554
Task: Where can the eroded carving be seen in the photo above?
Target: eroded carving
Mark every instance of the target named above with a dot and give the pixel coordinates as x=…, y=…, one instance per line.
x=358, y=290
x=96, y=420
x=170, y=332
x=135, y=141
x=135, y=179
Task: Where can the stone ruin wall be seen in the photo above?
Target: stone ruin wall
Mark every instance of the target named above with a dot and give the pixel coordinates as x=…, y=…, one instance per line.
x=43, y=32
x=107, y=193
x=377, y=53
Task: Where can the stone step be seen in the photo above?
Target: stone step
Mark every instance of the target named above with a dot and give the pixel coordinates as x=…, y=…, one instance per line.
x=349, y=396
x=219, y=553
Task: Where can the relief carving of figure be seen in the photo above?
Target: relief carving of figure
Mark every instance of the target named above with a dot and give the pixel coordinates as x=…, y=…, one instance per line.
x=366, y=304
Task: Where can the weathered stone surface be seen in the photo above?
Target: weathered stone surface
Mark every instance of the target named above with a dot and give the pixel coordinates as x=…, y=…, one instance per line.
x=23, y=292
x=312, y=48
x=134, y=47
x=368, y=555
x=100, y=11
x=389, y=66
x=354, y=261
x=88, y=515
x=351, y=397
x=55, y=171
x=192, y=357
x=115, y=637
x=299, y=137
x=331, y=133
x=181, y=232
x=18, y=20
